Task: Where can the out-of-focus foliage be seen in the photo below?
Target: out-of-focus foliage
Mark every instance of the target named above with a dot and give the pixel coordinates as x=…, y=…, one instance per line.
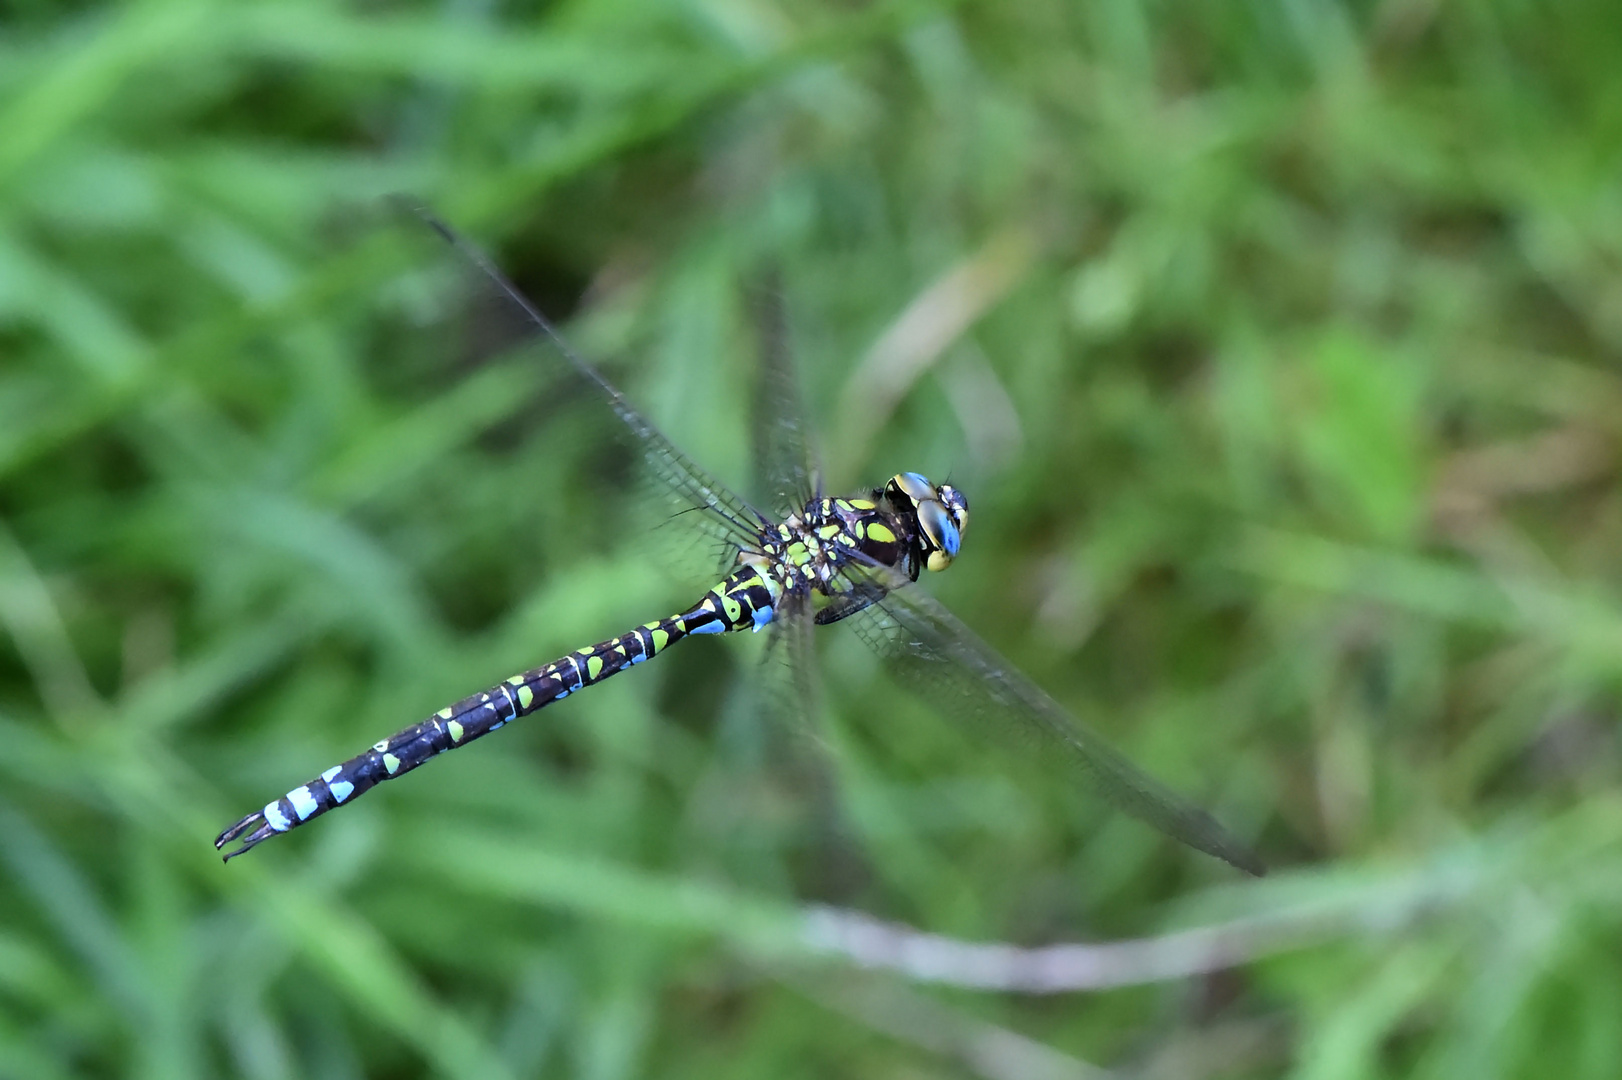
x=1274, y=342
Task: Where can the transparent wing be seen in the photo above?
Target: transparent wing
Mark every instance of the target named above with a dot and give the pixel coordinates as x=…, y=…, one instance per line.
x=967, y=678
x=791, y=691
x=788, y=474
x=695, y=500
x=793, y=652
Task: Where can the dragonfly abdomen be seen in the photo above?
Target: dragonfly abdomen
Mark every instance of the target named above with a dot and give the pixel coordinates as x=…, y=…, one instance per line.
x=743, y=601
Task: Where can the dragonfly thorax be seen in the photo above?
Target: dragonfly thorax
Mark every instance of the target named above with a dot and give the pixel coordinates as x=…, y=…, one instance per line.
x=808, y=549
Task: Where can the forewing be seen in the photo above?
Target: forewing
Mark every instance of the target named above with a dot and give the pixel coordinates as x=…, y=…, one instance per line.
x=967, y=678
x=691, y=500
x=788, y=475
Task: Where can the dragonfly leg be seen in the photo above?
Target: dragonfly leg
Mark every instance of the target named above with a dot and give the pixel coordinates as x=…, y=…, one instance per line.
x=843, y=606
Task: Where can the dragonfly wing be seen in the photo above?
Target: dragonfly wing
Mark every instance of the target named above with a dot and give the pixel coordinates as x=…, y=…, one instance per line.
x=785, y=457
x=969, y=679
x=799, y=650
x=788, y=680
x=692, y=497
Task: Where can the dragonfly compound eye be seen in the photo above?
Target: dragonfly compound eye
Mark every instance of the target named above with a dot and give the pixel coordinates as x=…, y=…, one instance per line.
x=953, y=500
x=941, y=537
x=914, y=486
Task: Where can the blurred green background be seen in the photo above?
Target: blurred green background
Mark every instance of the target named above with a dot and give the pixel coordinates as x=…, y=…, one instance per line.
x=1273, y=342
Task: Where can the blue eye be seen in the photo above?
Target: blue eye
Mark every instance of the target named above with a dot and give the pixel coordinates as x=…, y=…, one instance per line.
x=916, y=487
x=939, y=527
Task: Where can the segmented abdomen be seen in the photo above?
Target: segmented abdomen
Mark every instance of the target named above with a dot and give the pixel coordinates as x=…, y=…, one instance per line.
x=741, y=601
x=451, y=727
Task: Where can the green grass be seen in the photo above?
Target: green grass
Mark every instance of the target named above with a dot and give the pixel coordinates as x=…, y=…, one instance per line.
x=1275, y=345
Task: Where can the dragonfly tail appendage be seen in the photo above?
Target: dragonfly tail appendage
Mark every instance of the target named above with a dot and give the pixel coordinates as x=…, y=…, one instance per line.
x=256, y=822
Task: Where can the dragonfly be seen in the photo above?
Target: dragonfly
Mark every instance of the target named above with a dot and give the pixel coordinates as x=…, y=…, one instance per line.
x=818, y=561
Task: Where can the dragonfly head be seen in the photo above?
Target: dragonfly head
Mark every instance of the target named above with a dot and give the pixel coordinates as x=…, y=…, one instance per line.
x=942, y=513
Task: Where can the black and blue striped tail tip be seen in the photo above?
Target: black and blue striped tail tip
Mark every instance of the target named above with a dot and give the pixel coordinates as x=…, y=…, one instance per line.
x=254, y=825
